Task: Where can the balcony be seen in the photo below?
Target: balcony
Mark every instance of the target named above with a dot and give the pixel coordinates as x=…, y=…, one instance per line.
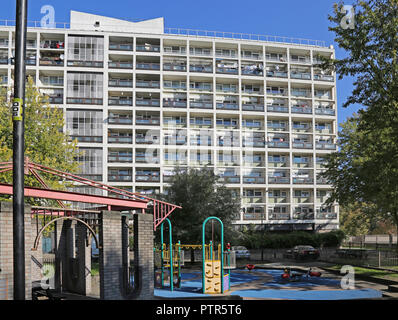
x=325, y=146
x=141, y=157
x=229, y=179
x=56, y=99
x=144, y=102
x=300, y=75
x=303, y=180
x=277, y=126
x=121, y=46
x=84, y=101
x=300, y=59
x=253, y=107
x=150, y=121
x=3, y=59
x=277, y=108
x=323, y=77
x=51, y=61
x=252, y=70
x=278, y=216
x=303, y=216
x=322, y=180
x=254, y=215
x=275, y=91
x=302, y=145
x=181, y=67
x=176, y=140
x=83, y=64
x=139, y=139
x=198, y=104
x=121, y=83
x=174, y=103
x=120, y=64
x=116, y=119
x=301, y=110
x=120, y=157
x=302, y=93
x=93, y=139
x=227, y=70
x=147, y=48
x=253, y=180
x=277, y=199
x=208, y=68
x=120, y=101
x=120, y=139
x=278, y=180
x=147, y=66
x=149, y=84
x=174, y=49
x=227, y=106
x=253, y=125
x=253, y=143
x=326, y=215
x=325, y=111
x=278, y=144
x=120, y=177
x=147, y=177
x=174, y=85
x=276, y=74
x=52, y=81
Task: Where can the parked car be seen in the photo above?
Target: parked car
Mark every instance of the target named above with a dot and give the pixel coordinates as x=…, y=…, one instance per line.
x=303, y=252
x=241, y=252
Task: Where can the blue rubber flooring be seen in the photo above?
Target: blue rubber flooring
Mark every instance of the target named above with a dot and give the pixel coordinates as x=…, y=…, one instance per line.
x=191, y=287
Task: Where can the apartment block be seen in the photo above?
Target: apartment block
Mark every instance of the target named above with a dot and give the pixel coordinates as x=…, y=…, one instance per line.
x=142, y=99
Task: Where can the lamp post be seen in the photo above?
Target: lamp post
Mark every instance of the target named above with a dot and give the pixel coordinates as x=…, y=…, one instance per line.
x=18, y=150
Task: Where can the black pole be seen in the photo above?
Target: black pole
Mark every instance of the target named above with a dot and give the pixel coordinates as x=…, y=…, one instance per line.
x=18, y=150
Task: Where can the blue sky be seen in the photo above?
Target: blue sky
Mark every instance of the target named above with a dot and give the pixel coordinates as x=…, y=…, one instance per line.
x=290, y=18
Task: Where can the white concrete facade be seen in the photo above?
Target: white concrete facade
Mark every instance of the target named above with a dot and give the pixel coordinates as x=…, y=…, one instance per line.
x=142, y=101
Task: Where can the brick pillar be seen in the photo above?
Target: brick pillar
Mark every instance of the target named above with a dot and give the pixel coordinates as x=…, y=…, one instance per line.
x=110, y=257
x=143, y=255
x=6, y=252
x=84, y=259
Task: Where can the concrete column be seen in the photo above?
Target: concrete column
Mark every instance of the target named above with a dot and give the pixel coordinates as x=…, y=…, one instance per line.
x=6, y=252
x=110, y=257
x=143, y=255
x=84, y=259
x=37, y=255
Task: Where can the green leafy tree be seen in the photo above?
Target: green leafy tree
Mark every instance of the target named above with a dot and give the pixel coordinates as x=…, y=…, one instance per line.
x=45, y=141
x=200, y=195
x=365, y=169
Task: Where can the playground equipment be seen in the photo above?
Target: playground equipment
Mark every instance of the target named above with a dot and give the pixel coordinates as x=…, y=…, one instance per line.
x=170, y=259
x=214, y=262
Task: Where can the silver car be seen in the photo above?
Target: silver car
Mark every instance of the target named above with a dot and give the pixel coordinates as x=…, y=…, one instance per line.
x=241, y=252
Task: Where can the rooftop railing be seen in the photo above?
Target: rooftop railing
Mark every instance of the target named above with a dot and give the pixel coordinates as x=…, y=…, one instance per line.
x=193, y=33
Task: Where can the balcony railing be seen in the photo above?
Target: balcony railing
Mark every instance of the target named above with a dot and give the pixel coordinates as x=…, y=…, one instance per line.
x=151, y=121
x=125, y=83
x=253, y=107
x=120, y=158
x=117, y=101
x=147, y=84
x=325, y=146
x=277, y=74
x=90, y=64
x=119, y=177
x=147, y=178
x=112, y=120
x=201, y=104
x=324, y=215
x=254, y=216
x=303, y=216
x=276, y=108
x=84, y=101
x=147, y=102
x=127, y=140
x=147, y=66
x=227, y=106
x=299, y=180
x=148, y=48
x=227, y=70
x=142, y=158
x=305, y=110
x=120, y=64
x=302, y=145
x=325, y=111
x=51, y=62
x=300, y=75
x=201, y=68
x=142, y=140
x=58, y=82
x=174, y=67
x=321, y=180
x=278, y=144
x=278, y=216
x=94, y=139
x=174, y=103
x=230, y=179
x=323, y=77
x=253, y=143
x=3, y=60
x=253, y=180
x=121, y=46
x=56, y=99
x=278, y=180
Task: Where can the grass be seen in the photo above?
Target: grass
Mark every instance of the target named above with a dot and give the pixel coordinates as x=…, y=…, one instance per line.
x=372, y=272
x=94, y=268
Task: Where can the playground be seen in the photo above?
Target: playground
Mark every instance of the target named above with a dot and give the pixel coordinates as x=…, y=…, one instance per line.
x=219, y=276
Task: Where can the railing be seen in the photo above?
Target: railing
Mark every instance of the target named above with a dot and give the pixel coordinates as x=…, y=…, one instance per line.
x=302, y=145
x=92, y=64
x=194, y=33
x=120, y=83
x=305, y=110
x=250, y=179
x=227, y=106
x=121, y=46
x=325, y=111
x=276, y=144
x=282, y=180
x=153, y=121
x=147, y=48
x=252, y=107
x=174, y=103
x=56, y=99
x=128, y=178
x=325, y=146
x=51, y=62
x=94, y=139
x=120, y=120
x=226, y=70
x=323, y=77
x=230, y=179
x=146, y=159
x=84, y=101
x=276, y=74
x=278, y=216
x=139, y=140
x=302, y=76
x=128, y=140
x=303, y=180
x=201, y=104
x=201, y=68
x=147, y=66
x=147, y=178
x=271, y=108
x=303, y=216
x=120, y=158
x=174, y=67
x=120, y=65
x=147, y=84
x=120, y=102
x=147, y=102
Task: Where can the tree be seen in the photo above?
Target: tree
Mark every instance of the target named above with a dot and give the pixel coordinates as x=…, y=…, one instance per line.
x=45, y=141
x=365, y=168
x=200, y=196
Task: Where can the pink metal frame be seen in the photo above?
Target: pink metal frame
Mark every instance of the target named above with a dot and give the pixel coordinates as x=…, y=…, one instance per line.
x=161, y=209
